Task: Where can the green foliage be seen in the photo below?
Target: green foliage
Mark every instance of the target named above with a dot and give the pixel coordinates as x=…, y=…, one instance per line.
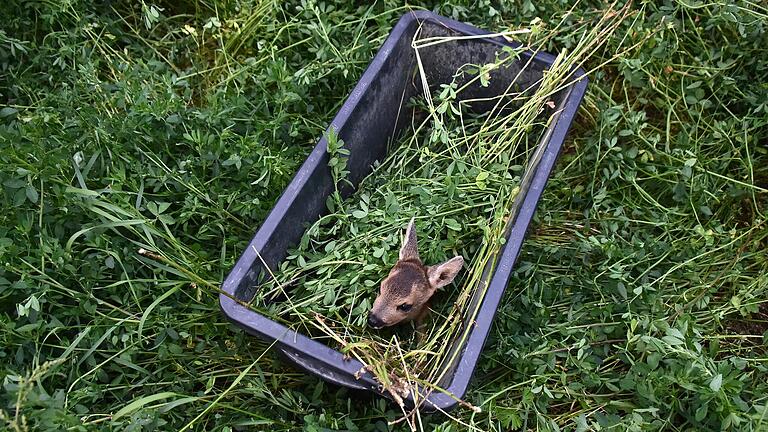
x=639, y=302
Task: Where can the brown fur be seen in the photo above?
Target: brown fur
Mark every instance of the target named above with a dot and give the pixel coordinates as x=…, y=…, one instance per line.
x=411, y=283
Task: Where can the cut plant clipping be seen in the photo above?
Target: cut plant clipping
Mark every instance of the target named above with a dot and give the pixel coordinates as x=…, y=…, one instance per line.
x=450, y=125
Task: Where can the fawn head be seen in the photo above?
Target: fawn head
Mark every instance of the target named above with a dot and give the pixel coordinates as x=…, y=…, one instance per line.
x=410, y=284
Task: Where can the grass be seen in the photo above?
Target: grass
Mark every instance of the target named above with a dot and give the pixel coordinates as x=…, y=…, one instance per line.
x=639, y=301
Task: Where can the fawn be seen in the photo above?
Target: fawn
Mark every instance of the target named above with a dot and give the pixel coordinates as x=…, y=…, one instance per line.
x=405, y=292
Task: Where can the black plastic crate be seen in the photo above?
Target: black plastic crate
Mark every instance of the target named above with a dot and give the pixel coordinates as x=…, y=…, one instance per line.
x=372, y=116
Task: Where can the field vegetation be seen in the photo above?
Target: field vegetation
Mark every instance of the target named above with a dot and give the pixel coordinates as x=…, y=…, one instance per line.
x=640, y=300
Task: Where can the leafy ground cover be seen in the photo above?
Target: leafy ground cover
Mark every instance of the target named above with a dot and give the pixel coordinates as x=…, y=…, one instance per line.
x=640, y=301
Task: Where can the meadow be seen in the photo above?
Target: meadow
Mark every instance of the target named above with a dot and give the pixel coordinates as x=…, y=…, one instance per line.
x=640, y=300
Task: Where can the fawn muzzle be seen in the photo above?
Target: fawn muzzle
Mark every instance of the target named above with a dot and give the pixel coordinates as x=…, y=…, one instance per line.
x=374, y=321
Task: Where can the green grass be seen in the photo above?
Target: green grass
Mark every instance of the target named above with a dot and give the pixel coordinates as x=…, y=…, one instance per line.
x=640, y=301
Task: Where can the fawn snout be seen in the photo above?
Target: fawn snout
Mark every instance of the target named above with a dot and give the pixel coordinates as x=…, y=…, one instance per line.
x=405, y=292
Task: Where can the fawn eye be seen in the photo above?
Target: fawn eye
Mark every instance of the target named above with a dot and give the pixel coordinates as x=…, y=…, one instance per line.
x=405, y=307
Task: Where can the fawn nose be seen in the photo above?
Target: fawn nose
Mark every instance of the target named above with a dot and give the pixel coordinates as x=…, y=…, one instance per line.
x=375, y=322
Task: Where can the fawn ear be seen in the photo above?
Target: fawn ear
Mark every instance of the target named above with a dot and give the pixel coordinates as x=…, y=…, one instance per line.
x=442, y=274
x=410, y=248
